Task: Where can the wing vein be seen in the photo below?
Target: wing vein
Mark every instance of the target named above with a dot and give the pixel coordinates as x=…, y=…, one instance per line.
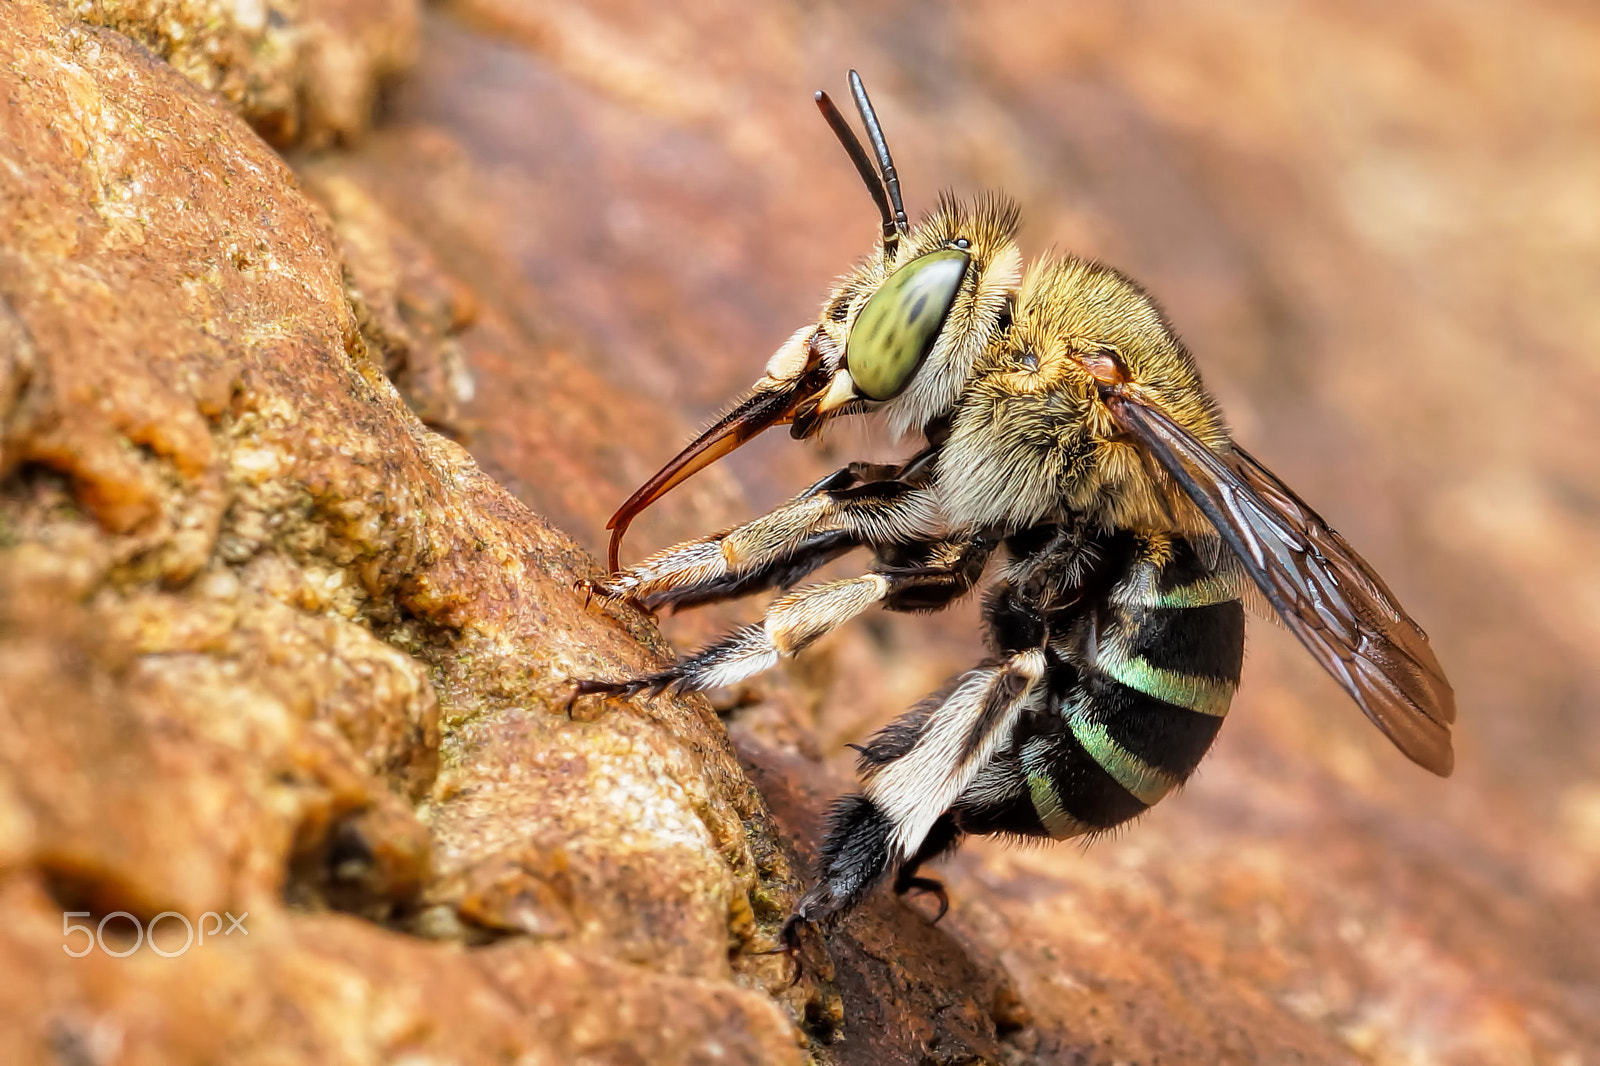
x=1323, y=591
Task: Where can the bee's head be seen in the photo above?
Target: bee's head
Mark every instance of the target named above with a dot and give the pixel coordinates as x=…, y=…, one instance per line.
x=900, y=333
x=1033, y=436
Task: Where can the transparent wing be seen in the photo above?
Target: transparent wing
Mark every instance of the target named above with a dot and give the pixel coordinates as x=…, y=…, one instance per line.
x=1320, y=588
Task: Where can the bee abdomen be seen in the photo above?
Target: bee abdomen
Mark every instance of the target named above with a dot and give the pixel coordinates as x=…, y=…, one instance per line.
x=1146, y=706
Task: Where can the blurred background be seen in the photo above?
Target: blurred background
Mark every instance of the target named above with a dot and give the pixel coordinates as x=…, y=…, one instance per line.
x=1377, y=227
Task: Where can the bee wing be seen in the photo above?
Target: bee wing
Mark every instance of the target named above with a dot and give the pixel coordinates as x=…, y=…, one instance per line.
x=1320, y=588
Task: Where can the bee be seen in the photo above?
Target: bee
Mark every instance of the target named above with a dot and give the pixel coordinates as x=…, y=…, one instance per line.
x=1068, y=442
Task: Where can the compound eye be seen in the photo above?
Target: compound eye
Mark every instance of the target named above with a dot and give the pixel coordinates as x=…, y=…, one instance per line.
x=896, y=329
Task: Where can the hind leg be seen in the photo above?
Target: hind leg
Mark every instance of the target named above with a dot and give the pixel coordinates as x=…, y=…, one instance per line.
x=942, y=838
x=856, y=855
x=914, y=771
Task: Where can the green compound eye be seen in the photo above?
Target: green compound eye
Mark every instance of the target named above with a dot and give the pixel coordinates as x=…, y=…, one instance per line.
x=895, y=331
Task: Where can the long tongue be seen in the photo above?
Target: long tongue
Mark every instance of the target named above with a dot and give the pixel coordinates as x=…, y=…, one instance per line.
x=763, y=410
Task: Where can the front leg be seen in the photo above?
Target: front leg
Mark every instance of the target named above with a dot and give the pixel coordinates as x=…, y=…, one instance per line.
x=860, y=504
x=928, y=572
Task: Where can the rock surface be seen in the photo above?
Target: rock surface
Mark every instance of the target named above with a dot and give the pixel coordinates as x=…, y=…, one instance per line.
x=301, y=71
x=302, y=461
x=272, y=648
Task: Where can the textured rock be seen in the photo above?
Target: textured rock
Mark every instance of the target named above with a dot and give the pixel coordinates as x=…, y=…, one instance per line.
x=271, y=647
x=331, y=988
x=298, y=70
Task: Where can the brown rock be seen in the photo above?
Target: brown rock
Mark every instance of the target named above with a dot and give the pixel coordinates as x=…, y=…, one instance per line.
x=255, y=612
x=332, y=988
x=299, y=71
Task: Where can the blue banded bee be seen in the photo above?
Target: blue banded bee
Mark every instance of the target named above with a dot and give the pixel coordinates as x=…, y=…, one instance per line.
x=1067, y=439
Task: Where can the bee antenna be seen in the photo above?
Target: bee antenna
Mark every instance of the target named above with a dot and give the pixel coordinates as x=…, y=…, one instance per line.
x=869, y=176
x=869, y=118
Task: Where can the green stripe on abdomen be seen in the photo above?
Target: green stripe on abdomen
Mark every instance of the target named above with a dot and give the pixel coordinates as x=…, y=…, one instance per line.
x=1146, y=782
x=1206, y=695
x=1047, y=805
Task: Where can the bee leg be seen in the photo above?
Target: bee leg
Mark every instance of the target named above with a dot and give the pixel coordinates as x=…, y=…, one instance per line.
x=781, y=573
x=914, y=769
x=792, y=623
x=855, y=856
x=930, y=575
x=780, y=547
x=937, y=572
x=674, y=575
x=941, y=838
